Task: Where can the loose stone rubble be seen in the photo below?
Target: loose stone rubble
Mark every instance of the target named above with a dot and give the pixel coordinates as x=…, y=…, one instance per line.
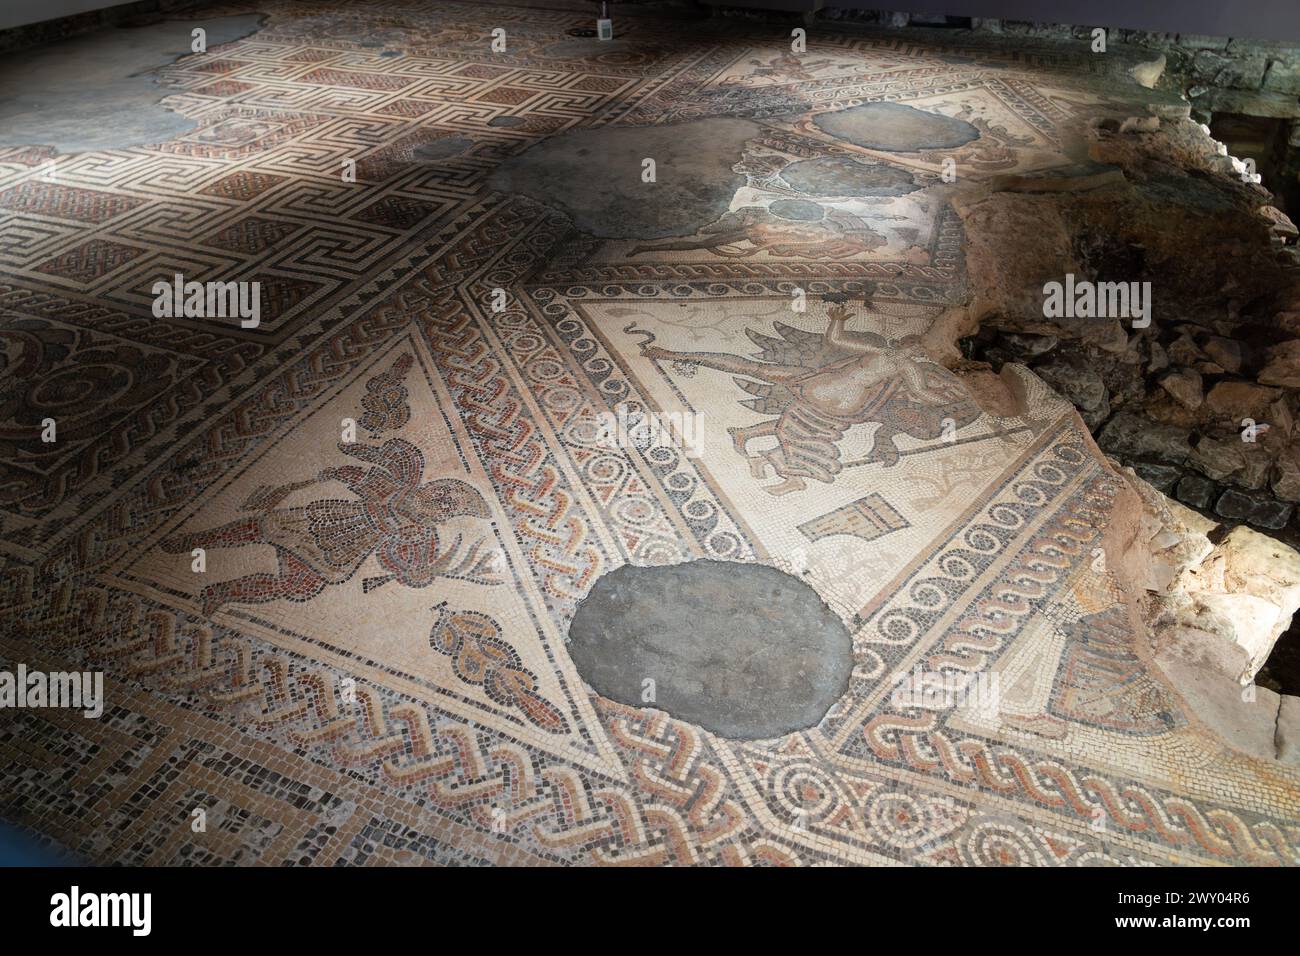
x=1221, y=360
x=1202, y=403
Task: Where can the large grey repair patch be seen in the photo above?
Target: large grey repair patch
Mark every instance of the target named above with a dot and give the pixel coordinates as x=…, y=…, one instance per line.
x=100, y=91
x=743, y=650
x=595, y=175
x=895, y=127
x=841, y=176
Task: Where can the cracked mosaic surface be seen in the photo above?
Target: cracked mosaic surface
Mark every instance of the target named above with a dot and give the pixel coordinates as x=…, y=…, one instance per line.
x=372, y=667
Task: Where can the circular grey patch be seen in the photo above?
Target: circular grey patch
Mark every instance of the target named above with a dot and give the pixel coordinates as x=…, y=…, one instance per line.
x=895, y=127
x=508, y=121
x=841, y=176
x=743, y=650
x=796, y=210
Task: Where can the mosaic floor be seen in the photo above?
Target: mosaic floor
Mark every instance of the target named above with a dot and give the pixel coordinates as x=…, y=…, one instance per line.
x=403, y=487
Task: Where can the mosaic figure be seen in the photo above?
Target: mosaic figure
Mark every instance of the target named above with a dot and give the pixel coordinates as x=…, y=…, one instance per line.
x=746, y=232
x=394, y=516
x=819, y=385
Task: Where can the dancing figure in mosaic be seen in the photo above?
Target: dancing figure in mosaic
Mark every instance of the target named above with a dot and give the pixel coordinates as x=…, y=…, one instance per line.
x=819, y=385
x=394, y=516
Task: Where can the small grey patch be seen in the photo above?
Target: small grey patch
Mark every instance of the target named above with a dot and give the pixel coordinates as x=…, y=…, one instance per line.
x=444, y=148
x=507, y=121
x=841, y=176
x=743, y=650
x=582, y=48
x=595, y=176
x=797, y=210
x=895, y=127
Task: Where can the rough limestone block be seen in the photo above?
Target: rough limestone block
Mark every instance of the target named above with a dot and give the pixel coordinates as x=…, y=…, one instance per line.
x=1255, y=625
x=1286, y=738
x=1263, y=103
x=1216, y=700
x=1283, y=76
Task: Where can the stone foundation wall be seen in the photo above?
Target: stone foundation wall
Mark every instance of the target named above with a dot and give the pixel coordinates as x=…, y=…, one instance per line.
x=1178, y=425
